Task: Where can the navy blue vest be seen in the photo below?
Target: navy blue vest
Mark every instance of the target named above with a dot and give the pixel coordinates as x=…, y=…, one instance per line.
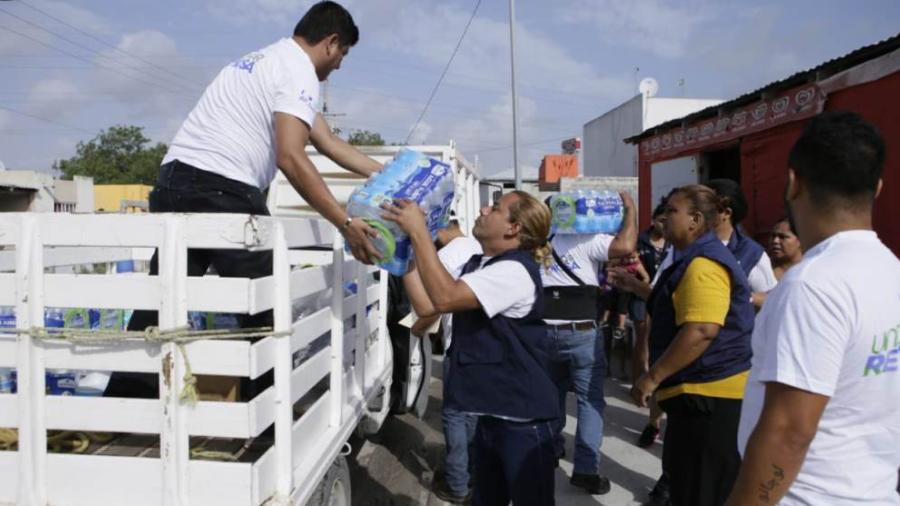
x=746, y=250
x=729, y=353
x=501, y=366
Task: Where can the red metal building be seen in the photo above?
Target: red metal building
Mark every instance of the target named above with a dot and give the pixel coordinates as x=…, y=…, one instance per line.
x=748, y=139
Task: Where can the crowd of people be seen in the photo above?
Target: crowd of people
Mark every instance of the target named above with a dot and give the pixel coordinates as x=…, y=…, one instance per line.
x=761, y=361
x=778, y=372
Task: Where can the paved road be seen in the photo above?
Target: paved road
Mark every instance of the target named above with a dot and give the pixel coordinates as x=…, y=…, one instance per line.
x=396, y=467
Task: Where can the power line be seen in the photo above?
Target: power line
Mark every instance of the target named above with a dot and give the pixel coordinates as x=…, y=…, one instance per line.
x=101, y=41
x=444, y=73
x=53, y=122
x=78, y=57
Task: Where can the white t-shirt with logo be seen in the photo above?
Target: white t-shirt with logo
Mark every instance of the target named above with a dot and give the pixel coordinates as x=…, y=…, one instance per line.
x=832, y=327
x=582, y=254
x=231, y=130
x=454, y=256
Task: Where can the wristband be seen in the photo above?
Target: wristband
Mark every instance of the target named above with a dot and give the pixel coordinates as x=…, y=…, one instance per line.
x=345, y=224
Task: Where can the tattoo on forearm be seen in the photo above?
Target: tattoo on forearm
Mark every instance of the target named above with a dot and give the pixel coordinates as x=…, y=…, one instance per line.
x=766, y=487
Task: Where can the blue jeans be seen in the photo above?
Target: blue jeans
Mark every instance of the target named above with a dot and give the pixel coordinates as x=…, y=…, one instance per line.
x=515, y=463
x=459, y=438
x=580, y=362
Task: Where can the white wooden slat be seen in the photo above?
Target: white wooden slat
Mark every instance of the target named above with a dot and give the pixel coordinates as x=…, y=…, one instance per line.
x=306, y=232
x=264, y=474
x=7, y=289
x=221, y=483
x=222, y=295
x=304, y=282
x=131, y=356
x=310, y=328
x=233, y=419
x=9, y=410
x=7, y=350
x=89, y=480
x=101, y=291
x=262, y=357
x=227, y=231
x=9, y=477
x=309, y=373
x=310, y=428
x=62, y=229
x=103, y=414
x=223, y=357
x=309, y=257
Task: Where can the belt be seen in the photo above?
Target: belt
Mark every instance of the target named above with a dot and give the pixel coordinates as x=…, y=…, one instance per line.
x=589, y=325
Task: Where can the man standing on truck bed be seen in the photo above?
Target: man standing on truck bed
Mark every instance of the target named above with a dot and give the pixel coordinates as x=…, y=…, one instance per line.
x=253, y=119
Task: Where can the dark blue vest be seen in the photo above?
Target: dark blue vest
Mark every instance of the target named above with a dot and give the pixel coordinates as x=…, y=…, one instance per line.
x=501, y=366
x=729, y=353
x=746, y=250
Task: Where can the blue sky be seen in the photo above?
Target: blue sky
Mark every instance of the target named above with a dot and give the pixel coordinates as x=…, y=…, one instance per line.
x=146, y=62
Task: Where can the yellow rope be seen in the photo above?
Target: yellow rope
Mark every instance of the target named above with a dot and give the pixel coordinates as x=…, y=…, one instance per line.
x=180, y=336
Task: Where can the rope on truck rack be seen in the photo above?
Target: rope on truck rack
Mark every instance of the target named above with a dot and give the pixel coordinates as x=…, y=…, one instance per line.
x=179, y=335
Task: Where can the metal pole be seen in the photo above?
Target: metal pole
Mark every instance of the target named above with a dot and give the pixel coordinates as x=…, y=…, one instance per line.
x=515, y=103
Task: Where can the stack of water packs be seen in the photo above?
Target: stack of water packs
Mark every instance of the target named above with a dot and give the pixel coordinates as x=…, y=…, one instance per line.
x=586, y=212
x=413, y=176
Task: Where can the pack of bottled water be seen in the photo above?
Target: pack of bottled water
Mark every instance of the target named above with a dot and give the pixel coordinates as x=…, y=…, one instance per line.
x=586, y=212
x=413, y=176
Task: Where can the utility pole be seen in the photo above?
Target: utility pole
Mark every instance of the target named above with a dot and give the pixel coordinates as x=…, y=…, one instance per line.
x=329, y=116
x=515, y=103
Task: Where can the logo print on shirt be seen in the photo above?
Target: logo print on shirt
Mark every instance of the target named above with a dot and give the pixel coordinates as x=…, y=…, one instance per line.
x=307, y=99
x=248, y=62
x=885, y=353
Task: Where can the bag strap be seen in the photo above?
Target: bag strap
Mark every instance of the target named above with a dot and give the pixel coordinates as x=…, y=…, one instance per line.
x=562, y=266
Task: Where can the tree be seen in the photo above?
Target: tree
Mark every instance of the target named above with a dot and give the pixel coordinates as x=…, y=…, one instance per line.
x=365, y=138
x=119, y=155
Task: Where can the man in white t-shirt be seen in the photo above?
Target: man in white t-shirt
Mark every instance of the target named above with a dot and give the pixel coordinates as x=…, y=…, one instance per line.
x=571, y=311
x=820, y=422
x=255, y=118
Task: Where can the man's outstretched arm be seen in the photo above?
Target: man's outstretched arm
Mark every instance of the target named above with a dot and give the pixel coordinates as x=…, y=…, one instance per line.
x=338, y=150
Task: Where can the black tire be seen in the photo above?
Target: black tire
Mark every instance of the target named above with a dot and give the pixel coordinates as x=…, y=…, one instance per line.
x=334, y=489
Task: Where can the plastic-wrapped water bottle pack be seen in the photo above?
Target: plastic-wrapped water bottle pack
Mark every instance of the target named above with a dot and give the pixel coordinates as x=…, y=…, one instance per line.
x=410, y=175
x=586, y=212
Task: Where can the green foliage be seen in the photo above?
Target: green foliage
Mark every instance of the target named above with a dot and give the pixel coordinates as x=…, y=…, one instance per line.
x=119, y=155
x=365, y=138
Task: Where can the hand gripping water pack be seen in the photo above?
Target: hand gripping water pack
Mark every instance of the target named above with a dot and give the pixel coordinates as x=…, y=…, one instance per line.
x=413, y=176
x=586, y=212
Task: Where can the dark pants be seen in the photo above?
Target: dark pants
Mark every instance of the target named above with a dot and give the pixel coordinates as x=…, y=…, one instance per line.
x=514, y=462
x=182, y=188
x=700, y=454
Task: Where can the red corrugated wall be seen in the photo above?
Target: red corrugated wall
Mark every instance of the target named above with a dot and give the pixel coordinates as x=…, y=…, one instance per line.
x=764, y=160
x=879, y=103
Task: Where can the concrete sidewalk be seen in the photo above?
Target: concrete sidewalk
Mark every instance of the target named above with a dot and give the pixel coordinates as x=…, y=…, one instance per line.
x=397, y=466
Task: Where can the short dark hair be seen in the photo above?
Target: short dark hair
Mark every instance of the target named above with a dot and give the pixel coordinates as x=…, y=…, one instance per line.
x=731, y=196
x=660, y=209
x=840, y=157
x=324, y=19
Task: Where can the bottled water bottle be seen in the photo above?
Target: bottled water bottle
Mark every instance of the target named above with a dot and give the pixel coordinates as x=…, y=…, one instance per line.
x=7, y=380
x=586, y=212
x=411, y=176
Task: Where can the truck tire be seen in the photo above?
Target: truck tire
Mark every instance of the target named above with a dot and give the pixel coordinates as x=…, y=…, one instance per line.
x=334, y=489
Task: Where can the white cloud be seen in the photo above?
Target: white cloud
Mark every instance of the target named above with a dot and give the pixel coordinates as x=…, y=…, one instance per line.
x=54, y=99
x=662, y=28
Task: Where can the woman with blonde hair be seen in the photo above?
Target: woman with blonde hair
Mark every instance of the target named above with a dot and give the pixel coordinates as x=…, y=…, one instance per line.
x=499, y=353
x=702, y=318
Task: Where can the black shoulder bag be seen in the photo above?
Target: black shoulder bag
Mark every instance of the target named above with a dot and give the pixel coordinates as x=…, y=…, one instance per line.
x=576, y=303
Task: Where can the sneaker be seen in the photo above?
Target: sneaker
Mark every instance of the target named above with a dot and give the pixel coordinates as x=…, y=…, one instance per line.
x=648, y=436
x=442, y=491
x=593, y=483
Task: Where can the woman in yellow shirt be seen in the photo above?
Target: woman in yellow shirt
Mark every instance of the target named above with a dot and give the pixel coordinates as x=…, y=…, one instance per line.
x=699, y=349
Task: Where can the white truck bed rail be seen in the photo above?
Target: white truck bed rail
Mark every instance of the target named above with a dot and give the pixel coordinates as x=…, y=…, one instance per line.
x=303, y=449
